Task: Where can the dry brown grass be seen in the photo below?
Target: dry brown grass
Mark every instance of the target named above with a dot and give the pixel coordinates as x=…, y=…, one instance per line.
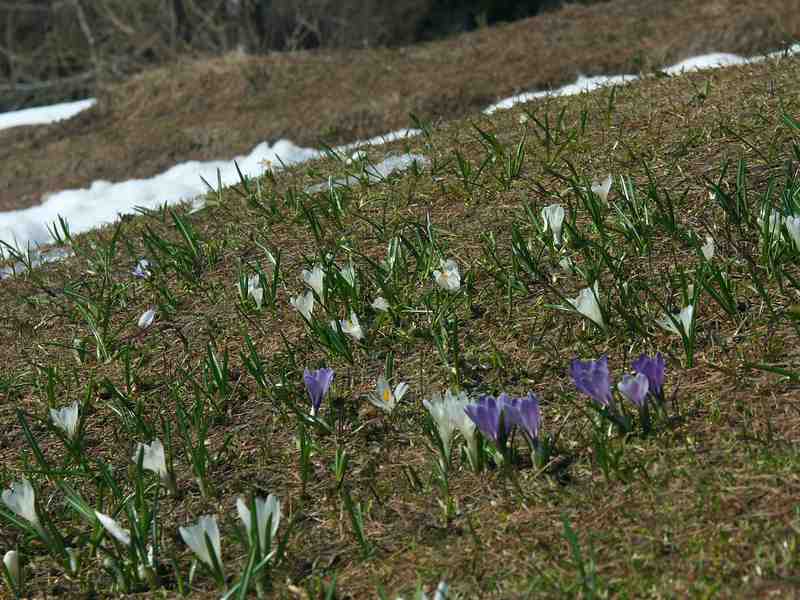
x=220, y=108
x=701, y=508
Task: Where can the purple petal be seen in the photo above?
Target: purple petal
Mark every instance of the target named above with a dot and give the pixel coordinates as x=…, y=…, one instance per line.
x=317, y=384
x=592, y=378
x=635, y=388
x=529, y=415
x=652, y=368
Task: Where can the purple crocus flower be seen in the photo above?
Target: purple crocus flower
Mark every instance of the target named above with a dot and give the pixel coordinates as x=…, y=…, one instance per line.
x=592, y=378
x=142, y=269
x=652, y=368
x=317, y=384
x=486, y=414
x=635, y=388
x=527, y=415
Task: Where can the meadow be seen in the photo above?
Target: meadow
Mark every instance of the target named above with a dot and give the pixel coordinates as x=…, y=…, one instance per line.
x=556, y=356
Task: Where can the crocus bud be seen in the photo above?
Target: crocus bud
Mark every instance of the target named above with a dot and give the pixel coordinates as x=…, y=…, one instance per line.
x=11, y=561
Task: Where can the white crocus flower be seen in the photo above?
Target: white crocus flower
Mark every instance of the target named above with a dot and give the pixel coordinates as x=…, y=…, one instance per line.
x=437, y=408
x=123, y=536
x=602, y=188
x=708, y=248
x=304, y=304
x=448, y=278
x=21, y=500
x=448, y=415
x=380, y=303
x=384, y=398
x=587, y=304
x=271, y=507
x=147, y=318
x=194, y=536
x=684, y=318
x=351, y=326
x=455, y=405
x=349, y=275
x=154, y=459
x=11, y=561
x=553, y=217
x=66, y=418
x=255, y=291
x=314, y=278
x=793, y=227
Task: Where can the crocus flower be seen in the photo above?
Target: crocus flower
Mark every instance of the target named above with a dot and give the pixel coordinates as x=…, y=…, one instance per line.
x=66, y=418
x=153, y=459
x=21, y=500
x=684, y=318
x=527, y=415
x=488, y=413
x=587, y=304
x=593, y=379
x=147, y=318
x=255, y=291
x=352, y=327
x=602, y=188
x=271, y=507
x=553, y=217
x=448, y=415
x=384, y=398
x=449, y=279
x=634, y=388
x=194, y=536
x=793, y=227
x=652, y=368
x=317, y=384
x=304, y=304
x=314, y=278
x=11, y=561
x=380, y=303
x=142, y=269
x=708, y=248
x=123, y=536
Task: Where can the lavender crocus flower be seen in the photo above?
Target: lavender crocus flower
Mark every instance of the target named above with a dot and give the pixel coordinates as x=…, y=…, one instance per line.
x=486, y=413
x=527, y=415
x=635, y=388
x=652, y=368
x=592, y=378
x=317, y=384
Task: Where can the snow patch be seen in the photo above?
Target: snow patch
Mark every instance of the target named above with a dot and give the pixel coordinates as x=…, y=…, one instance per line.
x=44, y=115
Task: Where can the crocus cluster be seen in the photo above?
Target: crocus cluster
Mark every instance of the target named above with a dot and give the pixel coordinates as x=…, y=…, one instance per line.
x=592, y=377
x=497, y=417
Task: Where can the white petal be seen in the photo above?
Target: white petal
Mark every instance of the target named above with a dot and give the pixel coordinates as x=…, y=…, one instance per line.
x=194, y=536
x=66, y=418
x=123, y=536
x=380, y=303
x=154, y=459
x=147, y=318
x=602, y=188
x=21, y=499
x=11, y=561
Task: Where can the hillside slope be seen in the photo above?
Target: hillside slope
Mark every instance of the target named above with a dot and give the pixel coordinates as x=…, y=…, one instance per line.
x=221, y=108
x=698, y=499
